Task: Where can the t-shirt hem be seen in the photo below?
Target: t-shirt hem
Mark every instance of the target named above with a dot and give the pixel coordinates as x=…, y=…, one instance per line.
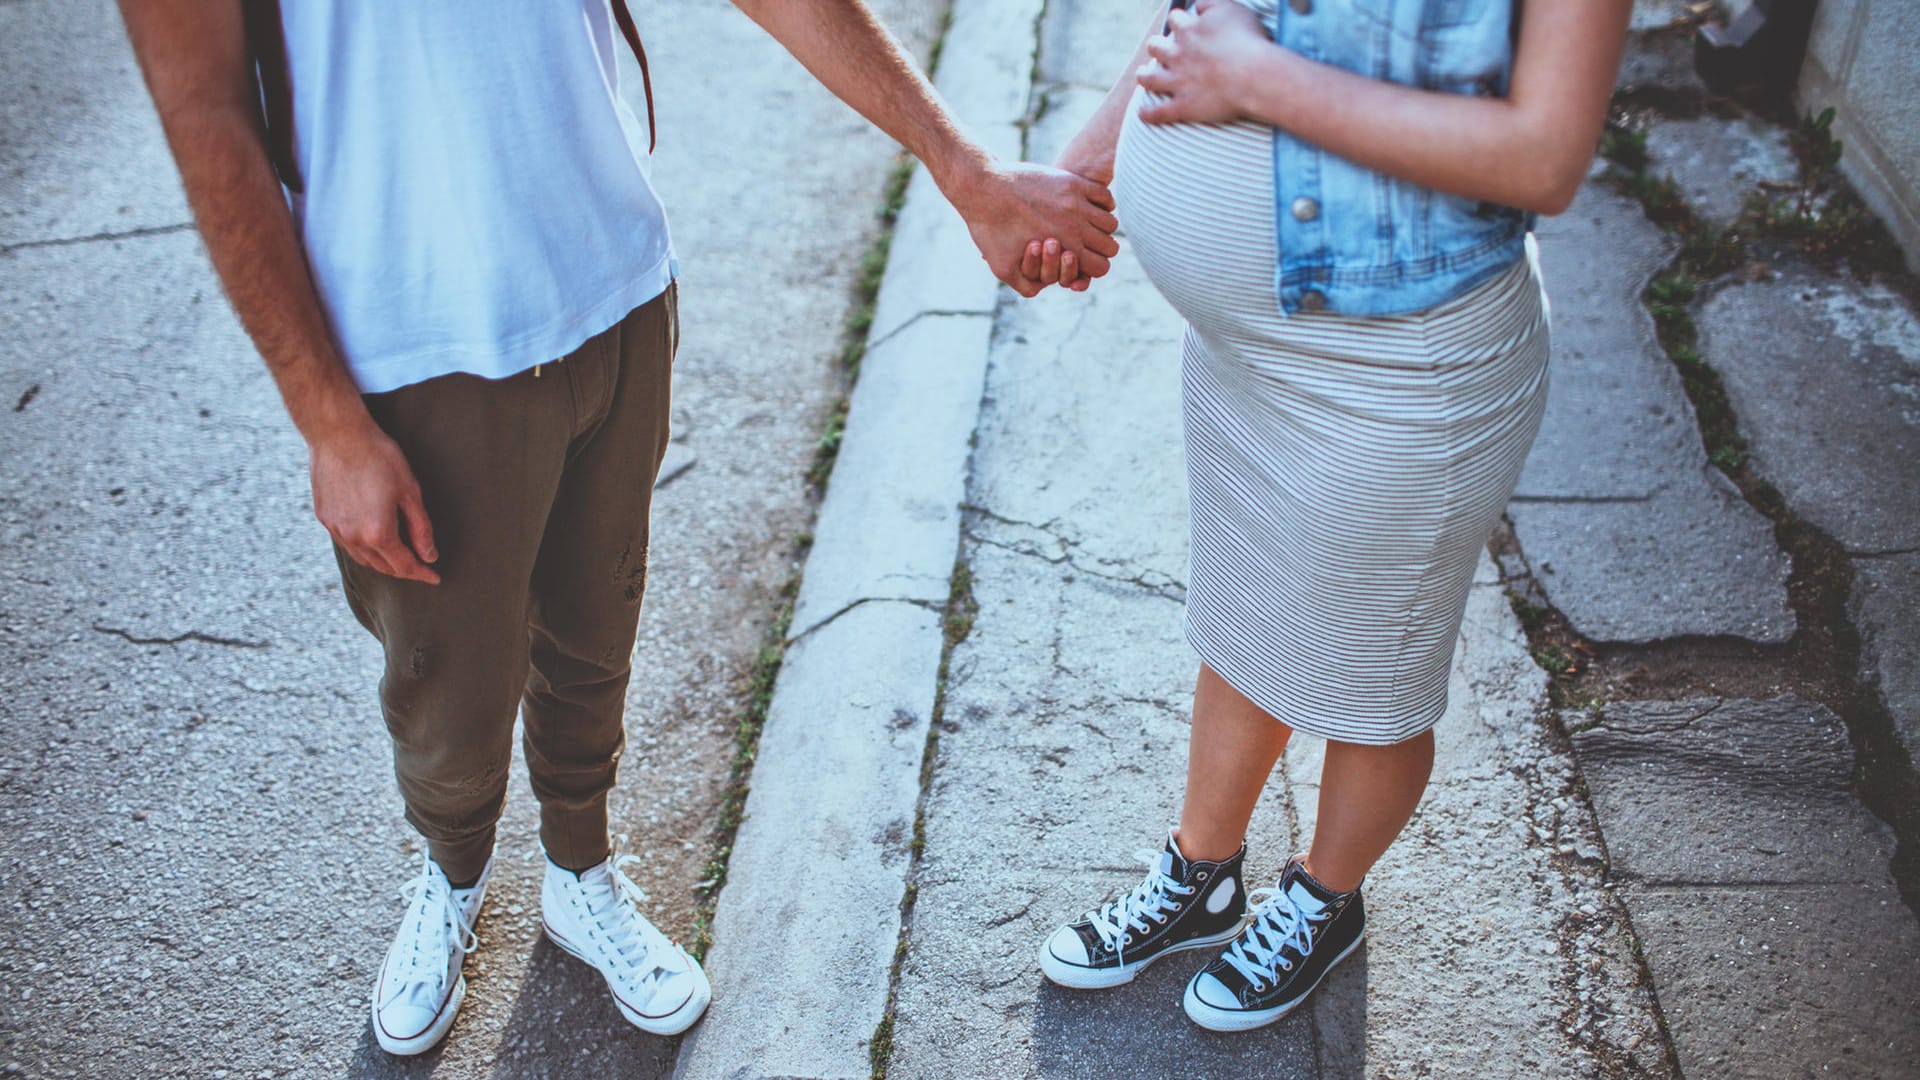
x=502, y=360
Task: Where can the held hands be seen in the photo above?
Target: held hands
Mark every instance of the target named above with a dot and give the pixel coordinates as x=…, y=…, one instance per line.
x=1050, y=262
x=1011, y=204
x=365, y=494
x=1204, y=63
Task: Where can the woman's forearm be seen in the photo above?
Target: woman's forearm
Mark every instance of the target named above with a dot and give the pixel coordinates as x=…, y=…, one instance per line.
x=1487, y=148
x=1530, y=149
x=1090, y=153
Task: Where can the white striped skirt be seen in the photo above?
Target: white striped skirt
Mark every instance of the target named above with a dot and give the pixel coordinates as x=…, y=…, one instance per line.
x=1344, y=472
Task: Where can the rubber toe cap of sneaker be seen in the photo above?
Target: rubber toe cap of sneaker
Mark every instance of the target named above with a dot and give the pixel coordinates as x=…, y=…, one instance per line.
x=1066, y=947
x=1212, y=991
x=404, y=1020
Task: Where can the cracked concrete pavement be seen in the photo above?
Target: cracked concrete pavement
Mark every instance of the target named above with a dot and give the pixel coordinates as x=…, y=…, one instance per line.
x=203, y=839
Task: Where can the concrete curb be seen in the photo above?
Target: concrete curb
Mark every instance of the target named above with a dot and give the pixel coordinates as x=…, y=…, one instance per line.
x=805, y=930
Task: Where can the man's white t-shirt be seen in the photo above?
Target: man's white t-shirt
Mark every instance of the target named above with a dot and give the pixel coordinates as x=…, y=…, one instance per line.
x=476, y=195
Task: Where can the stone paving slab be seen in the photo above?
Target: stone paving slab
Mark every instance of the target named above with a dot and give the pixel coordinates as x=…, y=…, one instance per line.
x=1763, y=790
x=1719, y=164
x=1628, y=530
x=1759, y=887
x=1823, y=373
x=1660, y=61
x=1785, y=982
x=1885, y=609
x=1696, y=564
x=1617, y=417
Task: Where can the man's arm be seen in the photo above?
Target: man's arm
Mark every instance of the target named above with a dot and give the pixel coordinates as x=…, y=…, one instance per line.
x=1005, y=206
x=194, y=55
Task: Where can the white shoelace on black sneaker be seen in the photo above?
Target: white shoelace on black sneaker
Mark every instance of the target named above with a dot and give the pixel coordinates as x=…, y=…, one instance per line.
x=1142, y=909
x=614, y=911
x=1279, y=921
x=433, y=927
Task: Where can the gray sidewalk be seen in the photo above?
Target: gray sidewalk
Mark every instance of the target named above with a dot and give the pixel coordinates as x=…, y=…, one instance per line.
x=201, y=837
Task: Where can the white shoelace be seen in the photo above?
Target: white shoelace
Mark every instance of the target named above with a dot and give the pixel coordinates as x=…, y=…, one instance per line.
x=433, y=927
x=612, y=904
x=1142, y=909
x=1278, y=921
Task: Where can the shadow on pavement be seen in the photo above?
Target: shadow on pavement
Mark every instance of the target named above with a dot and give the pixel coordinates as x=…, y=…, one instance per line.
x=564, y=1025
x=1339, y=1014
x=1139, y=1030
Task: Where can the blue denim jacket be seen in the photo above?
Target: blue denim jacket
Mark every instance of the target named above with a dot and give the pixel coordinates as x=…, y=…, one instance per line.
x=1359, y=242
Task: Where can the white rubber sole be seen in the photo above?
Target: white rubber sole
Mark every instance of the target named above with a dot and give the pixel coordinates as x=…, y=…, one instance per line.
x=1076, y=977
x=680, y=1019
x=427, y=1039
x=1214, y=1019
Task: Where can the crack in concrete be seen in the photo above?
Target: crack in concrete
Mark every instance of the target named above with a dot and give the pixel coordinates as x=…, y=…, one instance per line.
x=191, y=635
x=1169, y=590
x=1687, y=724
x=290, y=692
x=69, y=241
x=1165, y=586
x=1588, y=500
x=1882, y=553
x=1067, y=340
x=917, y=316
x=930, y=605
x=1686, y=885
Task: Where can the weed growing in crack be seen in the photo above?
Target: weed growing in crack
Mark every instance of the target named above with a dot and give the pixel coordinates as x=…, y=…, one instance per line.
x=760, y=679
x=880, y=1046
x=853, y=346
x=1624, y=147
x=962, y=609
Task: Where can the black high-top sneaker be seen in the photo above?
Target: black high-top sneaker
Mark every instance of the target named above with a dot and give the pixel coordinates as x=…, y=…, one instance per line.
x=1181, y=905
x=1297, y=933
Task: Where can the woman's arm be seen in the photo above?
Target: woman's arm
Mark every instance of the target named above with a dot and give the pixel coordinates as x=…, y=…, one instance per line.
x=1530, y=149
x=1090, y=154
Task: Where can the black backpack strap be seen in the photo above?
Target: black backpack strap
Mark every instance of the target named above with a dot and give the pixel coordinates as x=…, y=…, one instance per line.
x=267, y=42
x=625, y=18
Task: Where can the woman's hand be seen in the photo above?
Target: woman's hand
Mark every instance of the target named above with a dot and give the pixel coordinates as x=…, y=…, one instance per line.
x=1204, y=64
x=1045, y=262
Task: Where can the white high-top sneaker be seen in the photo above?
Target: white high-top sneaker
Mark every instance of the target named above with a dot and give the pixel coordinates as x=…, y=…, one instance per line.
x=420, y=985
x=655, y=984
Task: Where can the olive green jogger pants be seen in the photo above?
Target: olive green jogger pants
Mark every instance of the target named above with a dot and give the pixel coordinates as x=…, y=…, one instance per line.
x=537, y=487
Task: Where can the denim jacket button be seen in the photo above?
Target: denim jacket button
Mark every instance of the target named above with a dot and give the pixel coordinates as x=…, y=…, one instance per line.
x=1313, y=301
x=1305, y=209
x=1301, y=7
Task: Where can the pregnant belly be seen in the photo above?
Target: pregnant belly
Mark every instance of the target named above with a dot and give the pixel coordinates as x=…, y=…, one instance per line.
x=1197, y=202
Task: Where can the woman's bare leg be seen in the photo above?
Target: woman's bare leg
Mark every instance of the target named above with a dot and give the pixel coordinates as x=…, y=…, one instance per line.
x=1230, y=754
x=1367, y=795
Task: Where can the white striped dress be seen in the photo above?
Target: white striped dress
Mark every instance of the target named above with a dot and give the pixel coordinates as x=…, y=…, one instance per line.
x=1344, y=472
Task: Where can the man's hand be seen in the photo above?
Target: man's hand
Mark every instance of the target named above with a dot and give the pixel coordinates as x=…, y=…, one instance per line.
x=365, y=494
x=194, y=55
x=1007, y=206
x=1204, y=64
